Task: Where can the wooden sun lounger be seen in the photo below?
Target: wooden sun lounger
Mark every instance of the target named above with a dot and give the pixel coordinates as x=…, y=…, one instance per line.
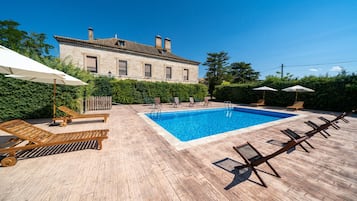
x=70, y=115
x=297, y=105
x=36, y=137
x=260, y=102
x=254, y=158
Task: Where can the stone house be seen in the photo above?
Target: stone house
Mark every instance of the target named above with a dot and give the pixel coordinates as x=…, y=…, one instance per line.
x=125, y=59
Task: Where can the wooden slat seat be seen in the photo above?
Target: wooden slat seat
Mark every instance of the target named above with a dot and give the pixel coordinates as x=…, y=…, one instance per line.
x=38, y=137
x=297, y=105
x=71, y=114
x=260, y=102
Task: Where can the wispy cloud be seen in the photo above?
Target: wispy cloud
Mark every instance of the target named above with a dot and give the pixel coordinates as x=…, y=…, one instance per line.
x=314, y=69
x=336, y=68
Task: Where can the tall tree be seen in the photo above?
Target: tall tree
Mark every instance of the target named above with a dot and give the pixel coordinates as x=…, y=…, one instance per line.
x=10, y=36
x=217, y=66
x=32, y=44
x=243, y=72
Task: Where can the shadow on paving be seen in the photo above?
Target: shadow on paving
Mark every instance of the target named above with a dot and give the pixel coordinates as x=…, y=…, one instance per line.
x=240, y=175
x=56, y=149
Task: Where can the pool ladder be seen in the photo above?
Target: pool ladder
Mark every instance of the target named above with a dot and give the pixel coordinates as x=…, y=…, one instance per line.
x=228, y=105
x=155, y=112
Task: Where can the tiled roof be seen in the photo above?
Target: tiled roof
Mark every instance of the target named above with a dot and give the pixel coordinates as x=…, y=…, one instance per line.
x=113, y=44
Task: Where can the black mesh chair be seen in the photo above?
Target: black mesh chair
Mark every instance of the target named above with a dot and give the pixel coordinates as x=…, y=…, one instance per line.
x=254, y=158
x=294, y=136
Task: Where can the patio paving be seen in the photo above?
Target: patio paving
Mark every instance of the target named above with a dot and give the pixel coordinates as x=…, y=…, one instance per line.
x=136, y=163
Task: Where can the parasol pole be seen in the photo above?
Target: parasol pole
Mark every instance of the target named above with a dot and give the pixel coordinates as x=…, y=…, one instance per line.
x=54, y=98
x=264, y=95
x=54, y=105
x=296, y=96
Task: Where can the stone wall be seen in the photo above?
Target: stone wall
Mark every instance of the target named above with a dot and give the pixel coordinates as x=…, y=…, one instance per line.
x=109, y=61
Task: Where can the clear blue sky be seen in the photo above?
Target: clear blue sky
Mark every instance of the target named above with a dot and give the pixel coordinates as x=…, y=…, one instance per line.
x=310, y=37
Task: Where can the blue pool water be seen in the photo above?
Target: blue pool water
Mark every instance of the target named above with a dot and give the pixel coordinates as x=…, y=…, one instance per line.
x=190, y=125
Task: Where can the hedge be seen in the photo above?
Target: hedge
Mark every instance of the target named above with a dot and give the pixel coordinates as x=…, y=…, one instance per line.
x=25, y=99
x=331, y=94
x=132, y=91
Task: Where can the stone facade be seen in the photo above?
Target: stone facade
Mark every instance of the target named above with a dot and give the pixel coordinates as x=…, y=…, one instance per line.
x=108, y=52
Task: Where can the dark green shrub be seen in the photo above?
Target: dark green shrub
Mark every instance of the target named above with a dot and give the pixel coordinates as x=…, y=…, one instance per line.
x=123, y=91
x=331, y=93
x=25, y=99
x=132, y=91
x=102, y=86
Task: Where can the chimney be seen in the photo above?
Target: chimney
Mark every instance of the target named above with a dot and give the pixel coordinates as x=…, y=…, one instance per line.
x=90, y=34
x=167, y=45
x=158, y=42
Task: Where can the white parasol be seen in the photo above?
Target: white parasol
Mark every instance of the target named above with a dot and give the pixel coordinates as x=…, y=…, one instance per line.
x=12, y=62
x=298, y=89
x=264, y=89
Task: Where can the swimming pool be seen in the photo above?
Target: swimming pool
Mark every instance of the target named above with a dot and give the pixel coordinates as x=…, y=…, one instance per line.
x=191, y=125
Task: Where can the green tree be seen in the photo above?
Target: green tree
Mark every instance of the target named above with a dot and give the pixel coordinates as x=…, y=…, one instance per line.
x=32, y=44
x=25, y=99
x=243, y=72
x=10, y=36
x=286, y=77
x=217, y=67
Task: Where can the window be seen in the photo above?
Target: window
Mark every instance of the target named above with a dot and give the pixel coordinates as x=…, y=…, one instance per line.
x=147, y=70
x=121, y=43
x=168, y=72
x=123, y=67
x=185, y=74
x=92, y=64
